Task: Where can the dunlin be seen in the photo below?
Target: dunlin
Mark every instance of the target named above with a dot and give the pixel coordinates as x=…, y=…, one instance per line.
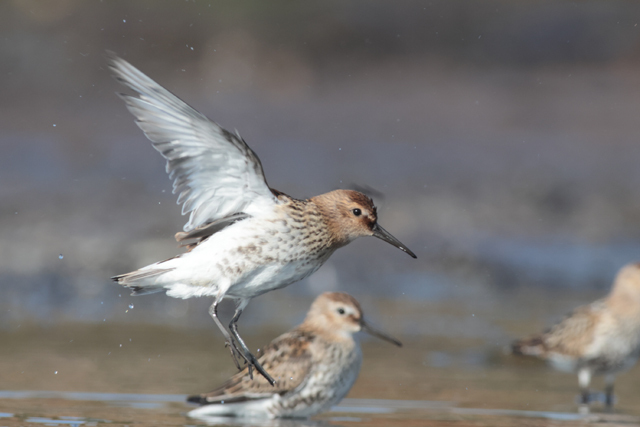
x=600, y=338
x=245, y=238
x=314, y=365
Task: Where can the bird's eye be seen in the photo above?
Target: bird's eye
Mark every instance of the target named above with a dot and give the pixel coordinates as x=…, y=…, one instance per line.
x=357, y=212
x=341, y=311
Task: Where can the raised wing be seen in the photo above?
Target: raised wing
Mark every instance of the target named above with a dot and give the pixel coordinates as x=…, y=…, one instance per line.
x=288, y=361
x=214, y=172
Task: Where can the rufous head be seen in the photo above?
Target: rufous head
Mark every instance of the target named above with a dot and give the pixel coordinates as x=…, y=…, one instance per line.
x=339, y=314
x=351, y=214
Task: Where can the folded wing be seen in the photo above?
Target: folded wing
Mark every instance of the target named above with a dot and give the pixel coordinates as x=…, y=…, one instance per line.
x=287, y=359
x=576, y=331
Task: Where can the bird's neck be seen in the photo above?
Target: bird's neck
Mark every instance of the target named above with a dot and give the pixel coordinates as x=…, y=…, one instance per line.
x=329, y=216
x=625, y=305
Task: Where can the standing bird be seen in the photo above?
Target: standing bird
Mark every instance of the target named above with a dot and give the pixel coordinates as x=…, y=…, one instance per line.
x=315, y=365
x=600, y=338
x=245, y=237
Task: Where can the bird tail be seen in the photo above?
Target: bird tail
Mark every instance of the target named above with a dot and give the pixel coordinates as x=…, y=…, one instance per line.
x=198, y=399
x=534, y=346
x=143, y=281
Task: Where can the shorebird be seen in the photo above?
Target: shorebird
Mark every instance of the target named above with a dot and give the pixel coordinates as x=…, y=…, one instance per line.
x=600, y=338
x=244, y=238
x=314, y=365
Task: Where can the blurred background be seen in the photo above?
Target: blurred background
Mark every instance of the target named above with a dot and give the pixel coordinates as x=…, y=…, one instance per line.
x=499, y=140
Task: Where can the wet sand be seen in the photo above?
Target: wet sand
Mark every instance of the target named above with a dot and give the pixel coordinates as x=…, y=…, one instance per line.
x=436, y=380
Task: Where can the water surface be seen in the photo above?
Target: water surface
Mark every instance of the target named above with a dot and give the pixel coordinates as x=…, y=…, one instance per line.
x=140, y=375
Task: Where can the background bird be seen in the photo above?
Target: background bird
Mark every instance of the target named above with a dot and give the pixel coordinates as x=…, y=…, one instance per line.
x=600, y=338
x=314, y=365
x=243, y=237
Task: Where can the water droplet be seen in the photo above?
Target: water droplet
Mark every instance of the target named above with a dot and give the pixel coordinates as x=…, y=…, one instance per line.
x=120, y=345
x=131, y=306
x=54, y=125
x=56, y=372
x=60, y=256
x=124, y=20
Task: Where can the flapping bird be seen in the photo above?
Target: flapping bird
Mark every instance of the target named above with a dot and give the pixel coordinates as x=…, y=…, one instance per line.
x=243, y=237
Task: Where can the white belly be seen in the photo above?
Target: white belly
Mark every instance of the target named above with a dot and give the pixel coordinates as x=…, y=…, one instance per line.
x=245, y=260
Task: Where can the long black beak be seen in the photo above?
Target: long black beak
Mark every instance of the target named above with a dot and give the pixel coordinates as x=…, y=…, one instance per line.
x=376, y=333
x=383, y=234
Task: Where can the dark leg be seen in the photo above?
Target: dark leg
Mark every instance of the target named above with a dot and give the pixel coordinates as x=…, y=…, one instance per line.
x=250, y=358
x=585, y=396
x=235, y=353
x=584, y=378
x=608, y=399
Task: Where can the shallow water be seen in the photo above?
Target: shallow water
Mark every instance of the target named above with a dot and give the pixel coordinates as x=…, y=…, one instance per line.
x=80, y=375
x=92, y=409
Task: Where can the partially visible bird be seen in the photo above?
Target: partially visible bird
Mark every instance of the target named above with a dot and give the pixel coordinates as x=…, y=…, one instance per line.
x=600, y=338
x=314, y=365
x=245, y=238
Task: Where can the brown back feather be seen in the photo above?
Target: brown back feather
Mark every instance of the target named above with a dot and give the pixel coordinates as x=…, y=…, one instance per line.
x=287, y=359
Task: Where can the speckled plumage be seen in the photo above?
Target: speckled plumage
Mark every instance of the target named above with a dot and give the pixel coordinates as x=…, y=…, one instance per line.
x=243, y=237
x=600, y=338
x=314, y=366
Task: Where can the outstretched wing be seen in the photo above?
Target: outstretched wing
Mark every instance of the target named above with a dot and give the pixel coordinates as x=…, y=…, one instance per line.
x=214, y=172
x=287, y=359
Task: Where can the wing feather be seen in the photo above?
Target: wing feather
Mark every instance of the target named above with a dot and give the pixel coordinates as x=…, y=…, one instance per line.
x=288, y=361
x=214, y=172
x=575, y=332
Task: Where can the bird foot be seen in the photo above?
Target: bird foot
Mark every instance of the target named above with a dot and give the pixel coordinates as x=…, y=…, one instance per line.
x=235, y=354
x=609, y=402
x=589, y=397
x=253, y=362
x=249, y=360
